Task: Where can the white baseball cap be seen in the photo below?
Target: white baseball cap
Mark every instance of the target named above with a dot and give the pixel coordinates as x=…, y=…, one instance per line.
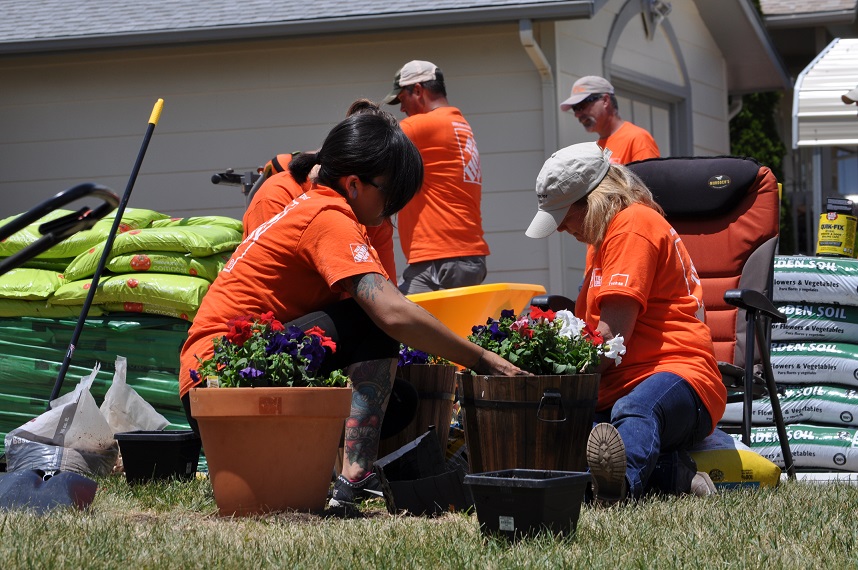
x=415, y=71
x=850, y=97
x=567, y=176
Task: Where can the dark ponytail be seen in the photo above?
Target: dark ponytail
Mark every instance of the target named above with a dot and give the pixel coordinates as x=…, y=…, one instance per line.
x=301, y=165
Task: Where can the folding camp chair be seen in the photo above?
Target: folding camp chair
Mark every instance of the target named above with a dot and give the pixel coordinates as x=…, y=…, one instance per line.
x=727, y=212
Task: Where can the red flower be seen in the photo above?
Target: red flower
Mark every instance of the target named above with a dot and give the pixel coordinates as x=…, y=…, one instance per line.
x=536, y=313
x=240, y=330
x=592, y=335
x=273, y=324
x=326, y=341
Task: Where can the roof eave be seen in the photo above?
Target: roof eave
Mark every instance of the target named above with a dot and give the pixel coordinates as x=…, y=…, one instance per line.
x=569, y=10
x=810, y=20
x=739, y=33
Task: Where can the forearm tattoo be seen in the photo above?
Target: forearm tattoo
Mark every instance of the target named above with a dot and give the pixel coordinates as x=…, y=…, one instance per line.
x=371, y=385
x=367, y=286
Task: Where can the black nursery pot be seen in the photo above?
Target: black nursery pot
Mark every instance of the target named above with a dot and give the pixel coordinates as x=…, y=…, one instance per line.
x=522, y=502
x=150, y=455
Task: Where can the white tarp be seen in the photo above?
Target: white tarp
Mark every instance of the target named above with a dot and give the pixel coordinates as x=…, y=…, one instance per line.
x=820, y=118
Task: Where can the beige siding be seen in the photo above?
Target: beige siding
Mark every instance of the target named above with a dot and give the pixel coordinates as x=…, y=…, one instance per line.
x=82, y=117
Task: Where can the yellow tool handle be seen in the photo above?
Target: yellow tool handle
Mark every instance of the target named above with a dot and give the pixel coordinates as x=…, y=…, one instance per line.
x=156, y=112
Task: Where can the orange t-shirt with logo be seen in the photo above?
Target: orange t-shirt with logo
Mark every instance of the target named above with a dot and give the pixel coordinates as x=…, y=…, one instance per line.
x=643, y=257
x=630, y=143
x=443, y=219
x=280, y=189
x=289, y=265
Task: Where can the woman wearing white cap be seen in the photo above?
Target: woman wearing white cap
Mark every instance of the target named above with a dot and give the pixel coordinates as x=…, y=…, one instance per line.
x=639, y=283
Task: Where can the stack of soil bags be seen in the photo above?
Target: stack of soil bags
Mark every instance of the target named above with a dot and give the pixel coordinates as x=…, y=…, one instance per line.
x=815, y=361
x=157, y=273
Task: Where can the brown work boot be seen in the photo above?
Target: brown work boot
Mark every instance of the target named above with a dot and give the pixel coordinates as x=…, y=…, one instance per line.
x=606, y=456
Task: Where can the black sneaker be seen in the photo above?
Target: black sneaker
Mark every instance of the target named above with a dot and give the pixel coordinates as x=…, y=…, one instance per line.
x=347, y=493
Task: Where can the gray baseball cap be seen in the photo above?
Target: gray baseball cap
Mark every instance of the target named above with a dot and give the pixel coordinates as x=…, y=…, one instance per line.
x=584, y=87
x=567, y=176
x=413, y=72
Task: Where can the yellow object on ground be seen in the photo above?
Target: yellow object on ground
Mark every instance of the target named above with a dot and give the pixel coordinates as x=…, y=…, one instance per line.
x=463, y=307
x=731, y=464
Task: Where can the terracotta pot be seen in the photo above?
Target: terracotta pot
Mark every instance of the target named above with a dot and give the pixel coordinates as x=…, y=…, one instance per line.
x=436, y=388
x=528, y=422
x=270, y=449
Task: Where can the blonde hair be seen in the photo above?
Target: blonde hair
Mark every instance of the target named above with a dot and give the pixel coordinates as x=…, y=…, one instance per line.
x=618, y=190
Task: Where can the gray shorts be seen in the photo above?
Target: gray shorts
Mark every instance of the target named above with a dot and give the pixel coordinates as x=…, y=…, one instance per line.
x=443, y=274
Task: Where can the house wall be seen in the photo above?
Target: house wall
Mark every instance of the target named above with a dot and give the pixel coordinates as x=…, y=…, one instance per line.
x=81, y=117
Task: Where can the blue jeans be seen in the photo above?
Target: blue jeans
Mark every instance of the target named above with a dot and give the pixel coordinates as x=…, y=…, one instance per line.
x=659, y=420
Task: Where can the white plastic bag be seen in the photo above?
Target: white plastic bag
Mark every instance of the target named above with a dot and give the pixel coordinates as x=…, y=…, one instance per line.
x=71, y=436
x=124, y=409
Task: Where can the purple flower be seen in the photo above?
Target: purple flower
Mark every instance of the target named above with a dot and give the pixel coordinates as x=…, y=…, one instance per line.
x=495, y=332
x=507, y=314
x=477, y=330
x=195, y=376
x=412, y=356
x=281, y=342
x=313, y=351
x=250, y=373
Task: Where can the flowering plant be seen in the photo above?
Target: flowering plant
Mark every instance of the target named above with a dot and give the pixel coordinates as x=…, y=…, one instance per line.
x=408, y=355
x=260, y=351
x=547, y=342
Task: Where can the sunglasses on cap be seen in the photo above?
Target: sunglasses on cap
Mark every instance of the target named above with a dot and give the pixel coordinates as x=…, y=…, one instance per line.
x=586, y=102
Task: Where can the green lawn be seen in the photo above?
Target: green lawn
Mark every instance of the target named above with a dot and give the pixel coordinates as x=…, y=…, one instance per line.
x=175, y=525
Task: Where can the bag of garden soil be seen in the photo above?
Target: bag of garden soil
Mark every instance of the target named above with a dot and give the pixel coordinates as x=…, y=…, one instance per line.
x=815, y=363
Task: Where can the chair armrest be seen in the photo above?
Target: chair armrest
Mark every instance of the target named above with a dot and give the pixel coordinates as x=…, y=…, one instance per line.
x=749, y=299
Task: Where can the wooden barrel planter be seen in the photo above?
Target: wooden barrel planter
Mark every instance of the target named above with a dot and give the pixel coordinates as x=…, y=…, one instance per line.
x=436, y=389
x=528, y=422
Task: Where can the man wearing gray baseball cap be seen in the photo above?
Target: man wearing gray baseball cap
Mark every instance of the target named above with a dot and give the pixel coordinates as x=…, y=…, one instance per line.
x=441, y=228
x=639, y=284
x=595, y=106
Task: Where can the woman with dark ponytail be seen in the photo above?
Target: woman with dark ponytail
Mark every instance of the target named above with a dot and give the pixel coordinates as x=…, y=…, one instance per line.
x=312, y=265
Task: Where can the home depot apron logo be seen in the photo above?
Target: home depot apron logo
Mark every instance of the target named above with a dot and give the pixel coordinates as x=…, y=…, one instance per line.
x=469, y=153
x=360, y=252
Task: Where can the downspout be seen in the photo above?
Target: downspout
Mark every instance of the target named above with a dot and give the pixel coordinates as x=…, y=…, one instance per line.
x=735, y=106
x=556, y=263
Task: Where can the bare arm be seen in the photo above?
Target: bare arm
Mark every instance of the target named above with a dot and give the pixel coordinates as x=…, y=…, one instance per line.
x=412, y=325
x=617, y=317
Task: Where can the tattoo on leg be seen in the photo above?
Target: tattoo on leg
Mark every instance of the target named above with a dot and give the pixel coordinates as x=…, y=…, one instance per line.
x=371, y=385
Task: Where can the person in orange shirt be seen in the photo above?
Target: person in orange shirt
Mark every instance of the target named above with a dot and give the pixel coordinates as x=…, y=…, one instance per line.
x=441, y=229
x=595, y=106
x=279, y=189
x=300, y=263
x=639, y=283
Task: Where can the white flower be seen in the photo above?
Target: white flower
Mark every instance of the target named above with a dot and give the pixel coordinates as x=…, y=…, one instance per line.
x=571, y=325
x=615, y=349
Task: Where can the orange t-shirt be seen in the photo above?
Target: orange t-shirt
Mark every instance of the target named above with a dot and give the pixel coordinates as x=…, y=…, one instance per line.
x=443, y=219
x=289, y=265
x=630, y=143
x=643, y=257
x=280, y=189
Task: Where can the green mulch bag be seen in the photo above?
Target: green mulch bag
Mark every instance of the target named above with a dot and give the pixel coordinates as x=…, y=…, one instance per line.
x=199, y=241
x=222, y=221
x=170, y=262
x=133, y=218
x=29, y=284
x=20, y=308
x=181, y=292
x=149, y=309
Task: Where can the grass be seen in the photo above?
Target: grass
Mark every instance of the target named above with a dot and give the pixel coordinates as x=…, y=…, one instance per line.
x=175, y=525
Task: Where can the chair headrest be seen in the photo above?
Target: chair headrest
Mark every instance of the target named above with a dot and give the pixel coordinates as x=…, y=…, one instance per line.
x=700, y=185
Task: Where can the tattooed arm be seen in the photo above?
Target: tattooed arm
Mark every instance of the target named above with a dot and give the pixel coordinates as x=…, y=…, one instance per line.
x=410, y=324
